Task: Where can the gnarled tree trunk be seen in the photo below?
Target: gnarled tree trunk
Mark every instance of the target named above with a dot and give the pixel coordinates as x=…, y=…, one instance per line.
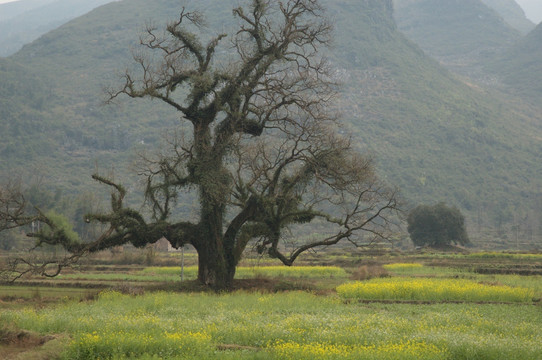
x=216, y=267
x=213, y=269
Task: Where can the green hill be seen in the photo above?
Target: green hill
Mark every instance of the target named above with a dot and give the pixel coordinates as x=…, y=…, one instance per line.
x=435, y=137
x=25, y=20
x=459, y=33
x=521, y=66
x=15, y=8
x=23, y=96
x=75, y=62
x=512, y=13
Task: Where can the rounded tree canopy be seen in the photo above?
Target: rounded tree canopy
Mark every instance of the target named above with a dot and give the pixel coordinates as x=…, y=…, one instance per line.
x=437, y=225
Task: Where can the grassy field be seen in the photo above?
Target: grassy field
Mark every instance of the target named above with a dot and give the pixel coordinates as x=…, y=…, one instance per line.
x=296, y=325
x=407, y=307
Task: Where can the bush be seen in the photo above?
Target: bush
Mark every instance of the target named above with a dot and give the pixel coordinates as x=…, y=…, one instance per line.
x=437, y=225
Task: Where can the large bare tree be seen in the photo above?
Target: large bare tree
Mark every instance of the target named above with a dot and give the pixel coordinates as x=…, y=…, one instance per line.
x=261, y=149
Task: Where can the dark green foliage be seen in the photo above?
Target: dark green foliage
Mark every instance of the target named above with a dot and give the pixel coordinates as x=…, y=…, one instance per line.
x=61, y=230
x=437, y=225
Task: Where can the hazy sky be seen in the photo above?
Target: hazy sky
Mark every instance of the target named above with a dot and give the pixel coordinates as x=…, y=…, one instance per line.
x=532, y=8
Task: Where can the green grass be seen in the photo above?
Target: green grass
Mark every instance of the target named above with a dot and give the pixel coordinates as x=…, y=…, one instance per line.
x=429, y=271
x=489, y=255
x=532, y=282
x=295, y=325
x=252, y=271
x=173, y=274
x=29, y=292
x=292, y=325
x=114, y=277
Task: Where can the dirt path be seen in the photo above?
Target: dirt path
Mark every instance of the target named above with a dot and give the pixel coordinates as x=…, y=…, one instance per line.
x=28, y=346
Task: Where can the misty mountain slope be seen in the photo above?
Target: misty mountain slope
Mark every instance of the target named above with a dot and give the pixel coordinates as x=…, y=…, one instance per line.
x=23, y=96
x=512, y=13
x=15, y=8
x=422, y=122
x=521, y=66
x=78, y=60
x=33, y=131
x=31, y=19
x=459, y=33
x=89, y=51
x=432, y=135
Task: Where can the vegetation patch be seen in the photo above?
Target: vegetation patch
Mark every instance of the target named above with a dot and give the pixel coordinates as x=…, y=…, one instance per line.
x=403, y=266
x=288, y=325
x=263, y=271
x=406, y=350
x=503, y=255
x=132, y=344
x=433, y=290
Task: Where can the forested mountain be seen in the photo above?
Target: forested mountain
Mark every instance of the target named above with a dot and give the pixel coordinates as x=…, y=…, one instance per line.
x=512, y=13
x=520, y=67
x=24, y=21
x=433, y=135
x=23, y=96
x=461, y=34
x=15, y=8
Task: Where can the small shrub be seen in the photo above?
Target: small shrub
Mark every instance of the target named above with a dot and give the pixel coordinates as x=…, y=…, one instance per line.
x=128, y=289
x=150, y=255
x=367, y=272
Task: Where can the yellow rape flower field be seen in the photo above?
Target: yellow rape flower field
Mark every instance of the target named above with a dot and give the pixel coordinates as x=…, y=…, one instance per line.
x=289, y=325
x=403, y=266
x=433, y=290
x=414, y=312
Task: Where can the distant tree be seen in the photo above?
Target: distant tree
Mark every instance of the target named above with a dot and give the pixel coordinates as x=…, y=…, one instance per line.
x=262, y=153
x=8, y=240
x=437, y=225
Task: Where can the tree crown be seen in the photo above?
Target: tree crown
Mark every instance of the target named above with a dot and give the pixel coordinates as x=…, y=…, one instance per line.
x=437, y=225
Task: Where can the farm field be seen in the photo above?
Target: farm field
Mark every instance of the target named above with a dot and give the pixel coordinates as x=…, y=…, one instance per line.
x=420, y=306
